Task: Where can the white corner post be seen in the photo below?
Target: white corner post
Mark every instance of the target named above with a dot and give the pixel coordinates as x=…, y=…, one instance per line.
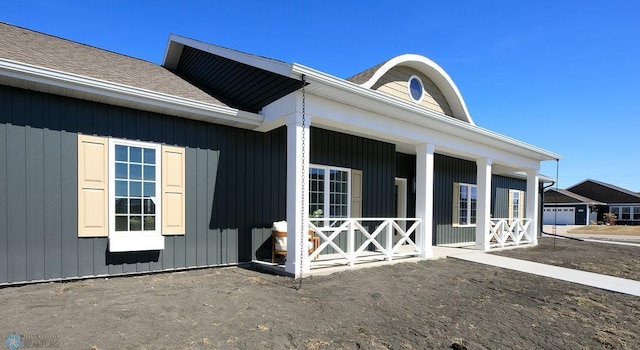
x=424, y=198
x=483, y=200
x=532, y=204
x=297, y=198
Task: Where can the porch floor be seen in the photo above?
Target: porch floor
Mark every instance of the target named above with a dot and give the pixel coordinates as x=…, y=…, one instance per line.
x=327, y=264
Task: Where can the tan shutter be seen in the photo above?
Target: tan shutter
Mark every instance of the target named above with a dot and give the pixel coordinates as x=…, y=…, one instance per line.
x=356, y=193
x=173, y=191
x=93, y=186
x=455, y=210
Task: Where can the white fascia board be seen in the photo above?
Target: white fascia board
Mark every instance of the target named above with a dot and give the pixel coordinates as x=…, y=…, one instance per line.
x=91, y=86
x=424, y=117
x=267, y=64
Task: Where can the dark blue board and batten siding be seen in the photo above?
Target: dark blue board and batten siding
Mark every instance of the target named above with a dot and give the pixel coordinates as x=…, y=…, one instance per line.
x=235, y=188
x=448, y=170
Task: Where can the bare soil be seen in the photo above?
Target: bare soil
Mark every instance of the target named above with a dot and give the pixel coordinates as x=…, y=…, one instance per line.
x=426, y=305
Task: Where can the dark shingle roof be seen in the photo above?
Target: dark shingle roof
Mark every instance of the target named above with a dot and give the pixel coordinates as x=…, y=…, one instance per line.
x=43, y=50
x=553, y=195
x=604, y=192
x=364, y=76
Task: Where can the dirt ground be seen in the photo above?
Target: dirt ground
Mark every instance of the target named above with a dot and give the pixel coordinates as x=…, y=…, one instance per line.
x=425, y=305
x=609, y=259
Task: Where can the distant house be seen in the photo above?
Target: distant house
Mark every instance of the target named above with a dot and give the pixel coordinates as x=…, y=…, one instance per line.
x=113, y=165
x=625, y=204
x=562, y=207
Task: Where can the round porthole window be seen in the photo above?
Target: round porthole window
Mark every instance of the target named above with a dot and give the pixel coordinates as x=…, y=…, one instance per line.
x=415, y=88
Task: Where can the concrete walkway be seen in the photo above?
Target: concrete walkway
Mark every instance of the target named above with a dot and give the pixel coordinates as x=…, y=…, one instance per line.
x=614, y=284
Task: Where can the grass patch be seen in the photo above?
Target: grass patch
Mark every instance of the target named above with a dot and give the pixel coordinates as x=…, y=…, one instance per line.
x=608, y=230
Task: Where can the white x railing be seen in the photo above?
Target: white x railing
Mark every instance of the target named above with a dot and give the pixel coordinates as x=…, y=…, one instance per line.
x=350, y=240
x=506, y=232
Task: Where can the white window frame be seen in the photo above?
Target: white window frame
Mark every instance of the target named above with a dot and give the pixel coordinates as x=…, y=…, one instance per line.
x=326, y=192
x=126, y=241
x=409, y=88
x=617, y=210
x=468, y=213
x=512, y=196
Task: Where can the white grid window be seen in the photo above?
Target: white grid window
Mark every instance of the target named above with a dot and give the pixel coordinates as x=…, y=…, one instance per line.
x=136, y=186
x=468, y=205
x=329, y=196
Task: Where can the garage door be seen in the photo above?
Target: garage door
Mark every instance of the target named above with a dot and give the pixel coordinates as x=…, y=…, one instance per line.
x=563, y=216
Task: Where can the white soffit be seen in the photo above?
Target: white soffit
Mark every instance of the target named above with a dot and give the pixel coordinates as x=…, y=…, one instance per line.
x=177, y=43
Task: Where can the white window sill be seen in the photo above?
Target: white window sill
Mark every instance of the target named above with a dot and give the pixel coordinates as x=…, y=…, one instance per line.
x=132, y=242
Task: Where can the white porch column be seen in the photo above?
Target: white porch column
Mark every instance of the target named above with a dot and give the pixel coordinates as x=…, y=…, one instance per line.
x=297, y=198
x=532, y=204
x=424, y=198
x=483, y=210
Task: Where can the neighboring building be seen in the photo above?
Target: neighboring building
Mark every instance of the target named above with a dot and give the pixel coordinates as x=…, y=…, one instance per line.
x=623, y=203
x=562, y=207
x=114, y=165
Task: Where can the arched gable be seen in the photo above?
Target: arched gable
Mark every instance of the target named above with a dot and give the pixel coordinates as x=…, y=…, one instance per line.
x=441, y=93
x=396, y=82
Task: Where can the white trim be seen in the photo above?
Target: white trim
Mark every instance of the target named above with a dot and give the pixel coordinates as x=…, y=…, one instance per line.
x=124, y=241
x=421, y=88
x=520, y=193
x=177, y=42
x=333, y=88
x=469, y=186
x=327, y=186
x=434, y=72
x=88, y=86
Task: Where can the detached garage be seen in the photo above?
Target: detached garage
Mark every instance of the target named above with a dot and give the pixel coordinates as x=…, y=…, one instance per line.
x=562, y=207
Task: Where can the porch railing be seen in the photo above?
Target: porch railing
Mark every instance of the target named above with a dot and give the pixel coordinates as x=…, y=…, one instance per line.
x=351, y=240
x=507, y=232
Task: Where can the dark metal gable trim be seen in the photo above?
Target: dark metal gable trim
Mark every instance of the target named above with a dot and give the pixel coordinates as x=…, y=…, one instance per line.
x=236, y=84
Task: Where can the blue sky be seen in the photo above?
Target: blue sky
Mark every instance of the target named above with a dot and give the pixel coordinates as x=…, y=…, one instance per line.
x=561, y=75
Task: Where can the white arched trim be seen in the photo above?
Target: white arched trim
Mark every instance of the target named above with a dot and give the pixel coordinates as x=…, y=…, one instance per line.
x=434, y=72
